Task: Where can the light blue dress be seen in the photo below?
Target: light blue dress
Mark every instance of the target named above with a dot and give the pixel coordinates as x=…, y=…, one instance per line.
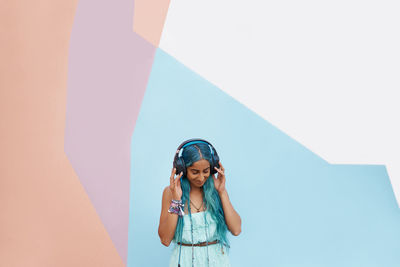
x=217, y=258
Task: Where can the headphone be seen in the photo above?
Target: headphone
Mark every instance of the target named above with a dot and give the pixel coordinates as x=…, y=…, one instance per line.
x=179, y=163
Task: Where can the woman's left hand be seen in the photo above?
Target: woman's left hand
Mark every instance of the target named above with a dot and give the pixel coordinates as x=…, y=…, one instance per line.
x=219, y=182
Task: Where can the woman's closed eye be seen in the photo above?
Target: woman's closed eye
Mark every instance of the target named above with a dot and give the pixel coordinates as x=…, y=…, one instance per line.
x=205, y=171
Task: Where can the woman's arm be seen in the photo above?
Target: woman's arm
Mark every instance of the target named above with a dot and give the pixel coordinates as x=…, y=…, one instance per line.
x=168, y=221
x=232, y=218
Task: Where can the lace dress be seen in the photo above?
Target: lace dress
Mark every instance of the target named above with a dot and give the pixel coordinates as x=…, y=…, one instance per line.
x=217, y=257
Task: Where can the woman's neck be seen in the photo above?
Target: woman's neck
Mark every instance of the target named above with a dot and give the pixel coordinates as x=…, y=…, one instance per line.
x=196, y=190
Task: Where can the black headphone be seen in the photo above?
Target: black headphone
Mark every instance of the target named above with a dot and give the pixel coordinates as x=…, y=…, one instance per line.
x=179, y=163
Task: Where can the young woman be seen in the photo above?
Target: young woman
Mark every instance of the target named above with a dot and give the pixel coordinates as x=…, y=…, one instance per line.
x=196, y=211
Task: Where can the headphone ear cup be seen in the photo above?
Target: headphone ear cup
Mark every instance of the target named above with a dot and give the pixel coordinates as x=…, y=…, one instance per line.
x=215, y=159
x=180, y=166
x=213, y=171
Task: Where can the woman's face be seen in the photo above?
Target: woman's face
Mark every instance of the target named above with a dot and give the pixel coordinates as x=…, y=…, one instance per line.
x=198, y=173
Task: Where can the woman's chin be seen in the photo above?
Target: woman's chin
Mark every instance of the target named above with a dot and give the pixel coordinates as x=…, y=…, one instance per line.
x=197, y=184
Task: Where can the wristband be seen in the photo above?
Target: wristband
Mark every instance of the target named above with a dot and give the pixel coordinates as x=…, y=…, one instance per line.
x=176, y=207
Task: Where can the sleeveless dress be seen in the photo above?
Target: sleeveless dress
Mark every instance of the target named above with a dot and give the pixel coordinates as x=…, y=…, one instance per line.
x=216, y=257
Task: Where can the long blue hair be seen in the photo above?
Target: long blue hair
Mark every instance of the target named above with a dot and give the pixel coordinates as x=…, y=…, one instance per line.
x=190, y=155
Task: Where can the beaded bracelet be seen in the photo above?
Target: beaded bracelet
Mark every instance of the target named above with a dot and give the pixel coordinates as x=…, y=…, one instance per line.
x=176, y=207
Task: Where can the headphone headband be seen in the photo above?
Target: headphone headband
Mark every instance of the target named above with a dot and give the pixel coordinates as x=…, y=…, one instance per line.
x=194, y=141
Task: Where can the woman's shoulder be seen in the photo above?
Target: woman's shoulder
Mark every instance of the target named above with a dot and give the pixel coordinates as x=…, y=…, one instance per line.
x=166, y=192
x=166, y=188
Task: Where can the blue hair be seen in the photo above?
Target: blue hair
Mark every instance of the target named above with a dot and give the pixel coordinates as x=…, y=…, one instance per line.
x=190, y=154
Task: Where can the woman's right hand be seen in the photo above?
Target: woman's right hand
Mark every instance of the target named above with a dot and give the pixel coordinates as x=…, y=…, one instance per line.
x=175, y=185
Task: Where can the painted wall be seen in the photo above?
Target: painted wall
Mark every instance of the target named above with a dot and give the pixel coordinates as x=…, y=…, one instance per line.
x=299, y=99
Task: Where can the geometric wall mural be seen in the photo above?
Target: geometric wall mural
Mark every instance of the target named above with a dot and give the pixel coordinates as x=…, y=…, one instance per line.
x=97, y=95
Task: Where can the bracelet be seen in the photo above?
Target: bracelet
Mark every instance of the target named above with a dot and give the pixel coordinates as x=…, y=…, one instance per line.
x=176, y=207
